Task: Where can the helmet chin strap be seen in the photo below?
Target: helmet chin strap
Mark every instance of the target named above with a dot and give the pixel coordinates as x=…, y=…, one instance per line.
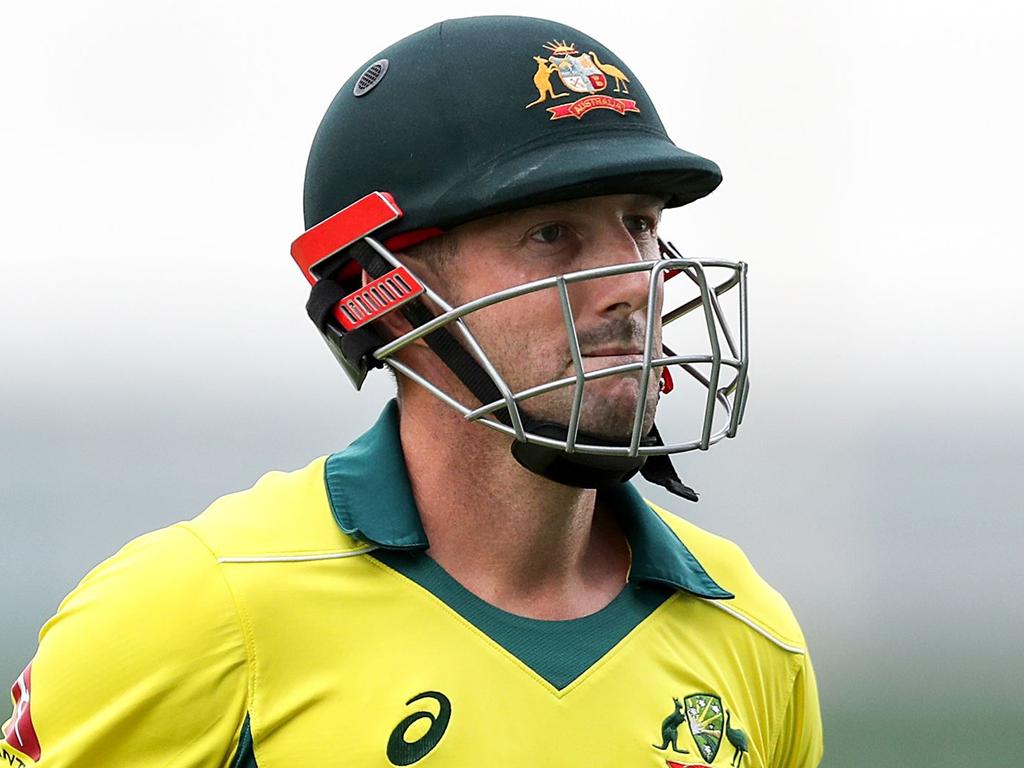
x=658, y=469
x=589, y=470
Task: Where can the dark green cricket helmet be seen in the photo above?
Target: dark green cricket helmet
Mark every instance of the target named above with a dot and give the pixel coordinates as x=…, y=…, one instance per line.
x=476, y=116
x=464, y=119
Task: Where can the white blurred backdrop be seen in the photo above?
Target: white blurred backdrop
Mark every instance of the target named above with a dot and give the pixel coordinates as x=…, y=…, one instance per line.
x=155, y=353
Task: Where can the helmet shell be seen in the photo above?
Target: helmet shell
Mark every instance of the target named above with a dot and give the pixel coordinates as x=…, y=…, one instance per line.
x=476, y=116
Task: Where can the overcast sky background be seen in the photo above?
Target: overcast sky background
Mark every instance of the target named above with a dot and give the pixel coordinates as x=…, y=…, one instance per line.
x=155, y=354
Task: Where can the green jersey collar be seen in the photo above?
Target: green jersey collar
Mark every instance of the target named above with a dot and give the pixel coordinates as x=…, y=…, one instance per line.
x=368, y=488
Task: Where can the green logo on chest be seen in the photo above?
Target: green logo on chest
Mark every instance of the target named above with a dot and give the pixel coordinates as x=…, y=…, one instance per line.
x=704, y=714
x=670, y=730
x=402, y=752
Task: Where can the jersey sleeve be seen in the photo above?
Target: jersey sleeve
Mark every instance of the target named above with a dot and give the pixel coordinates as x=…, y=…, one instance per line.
x=144, y=664
x=800, y=741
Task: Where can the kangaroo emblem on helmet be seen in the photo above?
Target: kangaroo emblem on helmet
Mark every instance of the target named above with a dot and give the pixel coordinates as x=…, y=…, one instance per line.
x=542, y=81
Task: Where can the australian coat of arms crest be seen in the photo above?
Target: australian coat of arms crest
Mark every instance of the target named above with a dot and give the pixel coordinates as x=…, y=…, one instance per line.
x=708, y=721
x=580, y=73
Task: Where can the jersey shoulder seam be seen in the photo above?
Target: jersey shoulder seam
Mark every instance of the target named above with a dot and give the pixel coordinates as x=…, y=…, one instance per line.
x=781, y=716
x=757, y=627
x=244, y=526
x=301, y=557
x=240, y=616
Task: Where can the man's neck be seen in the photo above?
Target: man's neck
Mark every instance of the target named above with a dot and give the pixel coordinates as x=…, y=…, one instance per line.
x=521, y=542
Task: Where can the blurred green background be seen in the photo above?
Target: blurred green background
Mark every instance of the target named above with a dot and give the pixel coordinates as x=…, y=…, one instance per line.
x=154, y=353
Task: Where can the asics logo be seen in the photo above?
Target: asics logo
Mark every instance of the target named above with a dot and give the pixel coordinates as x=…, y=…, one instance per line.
x=402, y=752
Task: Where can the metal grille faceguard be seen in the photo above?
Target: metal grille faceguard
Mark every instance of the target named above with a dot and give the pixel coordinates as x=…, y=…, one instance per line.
x=720, y=365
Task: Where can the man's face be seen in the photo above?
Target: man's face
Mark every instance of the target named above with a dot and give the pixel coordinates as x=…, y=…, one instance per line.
x=526, y=337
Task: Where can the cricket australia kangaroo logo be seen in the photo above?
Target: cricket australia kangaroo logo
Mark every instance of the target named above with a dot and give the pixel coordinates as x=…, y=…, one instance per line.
x=582, y=73
x=707, y=720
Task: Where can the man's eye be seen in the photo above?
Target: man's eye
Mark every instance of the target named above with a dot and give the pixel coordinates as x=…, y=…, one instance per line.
x=548, y=234
x=639, y=225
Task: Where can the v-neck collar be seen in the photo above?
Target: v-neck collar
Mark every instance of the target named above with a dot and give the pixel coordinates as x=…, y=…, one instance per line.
x=372, y=500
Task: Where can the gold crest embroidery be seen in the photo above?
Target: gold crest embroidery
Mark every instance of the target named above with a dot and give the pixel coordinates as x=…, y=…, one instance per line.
x=580, y=73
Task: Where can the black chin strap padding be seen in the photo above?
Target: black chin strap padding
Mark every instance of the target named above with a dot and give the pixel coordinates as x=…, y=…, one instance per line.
x=323, y=296
x=580, y=470
x=590, y=470
x=658, y=469
x=358, y=345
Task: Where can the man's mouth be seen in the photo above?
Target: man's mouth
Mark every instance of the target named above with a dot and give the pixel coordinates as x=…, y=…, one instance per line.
x=596, y=359
x=613, y=352
x=604, y=358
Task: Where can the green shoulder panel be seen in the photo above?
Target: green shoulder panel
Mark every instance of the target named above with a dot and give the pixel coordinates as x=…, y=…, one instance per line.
x=245, y=757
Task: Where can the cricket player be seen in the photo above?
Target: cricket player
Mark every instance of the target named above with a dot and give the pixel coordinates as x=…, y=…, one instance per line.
x=475, y=580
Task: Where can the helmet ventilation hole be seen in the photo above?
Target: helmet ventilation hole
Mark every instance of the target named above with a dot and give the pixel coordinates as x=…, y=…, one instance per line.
x=371, y=76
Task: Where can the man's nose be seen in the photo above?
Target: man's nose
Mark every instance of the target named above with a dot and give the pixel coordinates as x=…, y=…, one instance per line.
x=618, y=296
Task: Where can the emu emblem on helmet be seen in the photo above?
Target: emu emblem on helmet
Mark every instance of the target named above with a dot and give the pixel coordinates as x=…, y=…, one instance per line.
x=580, y=73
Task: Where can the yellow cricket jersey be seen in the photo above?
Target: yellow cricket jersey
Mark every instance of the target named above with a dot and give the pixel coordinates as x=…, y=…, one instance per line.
x=300, y=623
